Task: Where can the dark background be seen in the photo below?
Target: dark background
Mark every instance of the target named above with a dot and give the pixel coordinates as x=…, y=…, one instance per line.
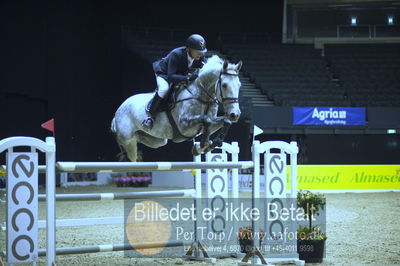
x=67, y=60
x=63, y=60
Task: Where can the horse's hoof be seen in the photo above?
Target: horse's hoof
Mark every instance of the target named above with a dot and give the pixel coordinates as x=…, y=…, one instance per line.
x=205, y=144
x=217, y=142
x=195, y=151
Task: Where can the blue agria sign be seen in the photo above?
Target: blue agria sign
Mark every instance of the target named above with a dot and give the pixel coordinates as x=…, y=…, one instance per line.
x=353, y=116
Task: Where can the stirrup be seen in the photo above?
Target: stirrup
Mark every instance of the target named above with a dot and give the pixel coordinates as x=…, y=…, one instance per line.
x=148, y=105
x=148, y=123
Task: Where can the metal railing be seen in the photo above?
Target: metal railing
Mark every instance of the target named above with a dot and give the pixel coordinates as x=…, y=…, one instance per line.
x=353, y=31
x=367, y=31
x=248, y=37
x=179, y=34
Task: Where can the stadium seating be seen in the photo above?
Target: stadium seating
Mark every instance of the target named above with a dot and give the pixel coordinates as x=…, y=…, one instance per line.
x=291, y=75
x=297, y=74
x=369, y=73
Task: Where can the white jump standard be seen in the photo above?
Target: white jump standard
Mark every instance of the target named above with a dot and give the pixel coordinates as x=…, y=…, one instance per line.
x=23, y=168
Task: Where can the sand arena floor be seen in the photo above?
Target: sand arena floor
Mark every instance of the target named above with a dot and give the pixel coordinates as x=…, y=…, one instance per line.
x=362, y=229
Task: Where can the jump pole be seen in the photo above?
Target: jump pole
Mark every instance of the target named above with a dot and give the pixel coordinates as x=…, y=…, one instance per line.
x=83, y=167
x=122, y=196
x=111, y=247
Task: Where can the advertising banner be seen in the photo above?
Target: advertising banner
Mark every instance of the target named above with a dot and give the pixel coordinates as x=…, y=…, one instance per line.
x=343, y=177
x=346, y=116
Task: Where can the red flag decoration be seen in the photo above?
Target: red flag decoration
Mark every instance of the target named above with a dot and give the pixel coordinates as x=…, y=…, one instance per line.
x=49, y=125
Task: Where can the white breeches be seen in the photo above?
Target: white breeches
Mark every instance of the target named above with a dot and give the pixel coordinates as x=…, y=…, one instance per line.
x=163, y=87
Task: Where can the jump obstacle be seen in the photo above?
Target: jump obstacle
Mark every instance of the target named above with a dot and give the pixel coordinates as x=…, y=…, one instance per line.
x=23, y=169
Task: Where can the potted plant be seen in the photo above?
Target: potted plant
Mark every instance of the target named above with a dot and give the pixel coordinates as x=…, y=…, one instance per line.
x=139, y=179
x=310, y=239
x=132, y=179
x=117, y=179
x=246, y=238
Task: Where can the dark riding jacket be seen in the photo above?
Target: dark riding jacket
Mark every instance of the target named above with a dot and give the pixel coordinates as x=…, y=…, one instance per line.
x=174, y=67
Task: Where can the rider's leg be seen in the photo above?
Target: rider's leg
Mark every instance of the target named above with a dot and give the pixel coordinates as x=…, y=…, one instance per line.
x=161, y=92
x=162, y=87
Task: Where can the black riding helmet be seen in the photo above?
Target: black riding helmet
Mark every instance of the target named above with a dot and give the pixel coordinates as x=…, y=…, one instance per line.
x=196, y=42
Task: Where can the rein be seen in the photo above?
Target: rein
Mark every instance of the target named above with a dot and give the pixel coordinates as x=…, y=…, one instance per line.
x=208, y=102
x=212, y=99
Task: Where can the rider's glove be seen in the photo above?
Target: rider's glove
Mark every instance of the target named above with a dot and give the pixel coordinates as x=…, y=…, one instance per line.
x=192, y=76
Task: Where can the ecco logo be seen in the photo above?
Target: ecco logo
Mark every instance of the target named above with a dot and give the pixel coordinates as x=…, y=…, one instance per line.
x=275, y=187
x=22, y=206
x=217, y=192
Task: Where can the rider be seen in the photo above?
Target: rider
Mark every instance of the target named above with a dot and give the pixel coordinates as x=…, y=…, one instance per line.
x=177, y=67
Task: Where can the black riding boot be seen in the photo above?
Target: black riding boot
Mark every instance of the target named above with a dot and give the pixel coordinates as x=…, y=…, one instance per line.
x=152, y=109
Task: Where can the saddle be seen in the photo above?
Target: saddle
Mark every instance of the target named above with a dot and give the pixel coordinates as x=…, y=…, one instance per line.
x=167, y=106
x=169, y=103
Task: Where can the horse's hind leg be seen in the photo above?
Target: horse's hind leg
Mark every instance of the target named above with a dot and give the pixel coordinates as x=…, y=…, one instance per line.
x=131, y=150
x=150, y=141
x=128, y=149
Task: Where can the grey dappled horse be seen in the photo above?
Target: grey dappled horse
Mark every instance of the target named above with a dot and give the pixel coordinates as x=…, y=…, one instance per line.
x=194, y=112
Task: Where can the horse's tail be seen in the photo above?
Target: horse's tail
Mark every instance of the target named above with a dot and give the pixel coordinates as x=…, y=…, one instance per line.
x=122, y=157
x=122, y=154
x=112, y=128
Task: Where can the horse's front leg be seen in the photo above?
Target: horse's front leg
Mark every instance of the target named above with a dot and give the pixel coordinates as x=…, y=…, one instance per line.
x=205, y=136
x=219, y=123
x=224, y=125
x=188, y=123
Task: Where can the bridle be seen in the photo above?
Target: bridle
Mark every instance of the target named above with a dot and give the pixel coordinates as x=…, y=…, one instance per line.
x=214, y=99
x=226, y=99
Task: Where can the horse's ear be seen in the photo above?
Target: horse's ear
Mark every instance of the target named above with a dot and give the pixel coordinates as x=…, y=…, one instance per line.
x=239, y=65
x=225, y=64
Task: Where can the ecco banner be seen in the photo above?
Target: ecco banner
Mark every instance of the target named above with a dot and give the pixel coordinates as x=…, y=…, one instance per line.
x=354, y=116
x=217, y=195
x=22, y=191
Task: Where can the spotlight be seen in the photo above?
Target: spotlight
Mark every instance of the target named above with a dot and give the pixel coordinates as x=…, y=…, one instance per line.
x=353, y=21
x=390, y=20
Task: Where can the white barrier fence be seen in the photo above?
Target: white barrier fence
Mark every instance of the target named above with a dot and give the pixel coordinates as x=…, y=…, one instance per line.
x=216, y=165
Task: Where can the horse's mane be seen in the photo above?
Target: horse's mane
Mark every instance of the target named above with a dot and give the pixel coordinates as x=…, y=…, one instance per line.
x=209, y=72
x=213, y=64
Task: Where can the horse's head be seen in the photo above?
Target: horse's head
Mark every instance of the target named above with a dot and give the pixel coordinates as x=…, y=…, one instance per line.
x=228, y=86
x=220, y=79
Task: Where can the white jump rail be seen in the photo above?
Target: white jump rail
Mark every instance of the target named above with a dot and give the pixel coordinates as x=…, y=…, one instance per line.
x=84, y=167
x=51, y=167
x=122, y=195
x=112, y=247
